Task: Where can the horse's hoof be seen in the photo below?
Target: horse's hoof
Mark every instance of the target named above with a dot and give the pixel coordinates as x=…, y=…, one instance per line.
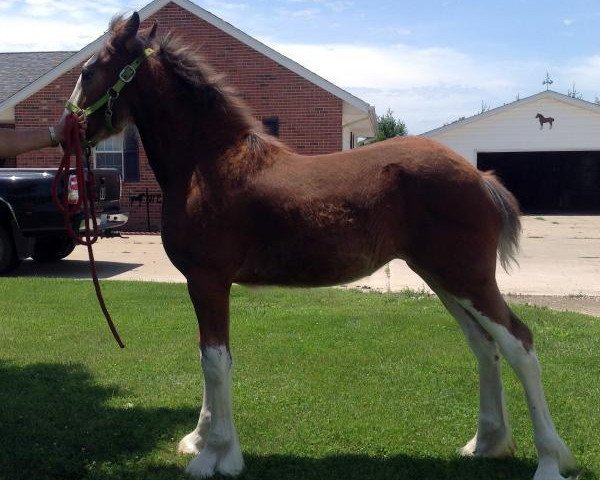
x=566, y=461
x=489, y=448
x=203, y=466
x=551, y=474
x=211, y=460
x=549, y=468
x=231, y=462
x=191, y=444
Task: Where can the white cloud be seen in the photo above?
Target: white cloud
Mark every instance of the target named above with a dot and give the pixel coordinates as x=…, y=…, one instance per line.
x=425, y=87
x=77, y=10
x=44, y=25
x=585, y=73
x=336, y=6
x=567, y=22
x=339, y=6
x=396, y=66
x=6, y=4
x=391, y=33
x=216, y=6
x=37, y=34
x=305, y=12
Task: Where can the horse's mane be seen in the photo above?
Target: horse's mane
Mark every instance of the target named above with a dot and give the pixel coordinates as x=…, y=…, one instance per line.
x=202, y=86
x=199, y=81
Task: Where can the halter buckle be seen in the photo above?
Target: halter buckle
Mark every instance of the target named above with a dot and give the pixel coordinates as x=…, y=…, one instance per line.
x=127, y=73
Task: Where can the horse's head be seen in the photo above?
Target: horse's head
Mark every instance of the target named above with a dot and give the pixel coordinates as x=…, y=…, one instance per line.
x=539, y=115
x=108, y=79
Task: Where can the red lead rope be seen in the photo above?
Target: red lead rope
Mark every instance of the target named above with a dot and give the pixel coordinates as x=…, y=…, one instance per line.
x=86, y=187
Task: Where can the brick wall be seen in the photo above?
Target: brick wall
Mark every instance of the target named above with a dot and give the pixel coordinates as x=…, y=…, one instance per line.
x=42, y=109
x=309, y=117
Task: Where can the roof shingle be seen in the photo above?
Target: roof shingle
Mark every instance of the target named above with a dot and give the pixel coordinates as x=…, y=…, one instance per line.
x=17, y=70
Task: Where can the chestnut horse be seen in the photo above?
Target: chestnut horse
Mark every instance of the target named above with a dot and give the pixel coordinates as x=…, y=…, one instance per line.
x=239, y=206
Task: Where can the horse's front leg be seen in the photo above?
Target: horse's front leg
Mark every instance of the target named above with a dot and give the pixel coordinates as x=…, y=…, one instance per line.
x=214, y=440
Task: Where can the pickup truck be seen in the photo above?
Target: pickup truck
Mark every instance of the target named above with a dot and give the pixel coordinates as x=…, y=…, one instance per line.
x=32, y=226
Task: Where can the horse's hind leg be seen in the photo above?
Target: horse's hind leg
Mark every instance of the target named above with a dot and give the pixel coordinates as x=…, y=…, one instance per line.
x=494, y=436
x=487, y=307
x=214, y=439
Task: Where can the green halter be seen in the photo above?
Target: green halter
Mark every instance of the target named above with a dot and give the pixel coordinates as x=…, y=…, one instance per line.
x=125, y=76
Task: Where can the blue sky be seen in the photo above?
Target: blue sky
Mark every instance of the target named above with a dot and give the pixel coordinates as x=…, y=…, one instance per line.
x=429, y=61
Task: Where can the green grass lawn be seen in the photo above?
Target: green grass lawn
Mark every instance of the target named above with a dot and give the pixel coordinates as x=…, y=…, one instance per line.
x=328, y=384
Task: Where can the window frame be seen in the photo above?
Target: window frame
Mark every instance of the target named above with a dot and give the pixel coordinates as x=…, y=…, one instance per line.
x=119, y=139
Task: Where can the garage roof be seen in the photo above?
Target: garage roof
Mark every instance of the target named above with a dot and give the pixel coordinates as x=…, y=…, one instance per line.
x=551, y=94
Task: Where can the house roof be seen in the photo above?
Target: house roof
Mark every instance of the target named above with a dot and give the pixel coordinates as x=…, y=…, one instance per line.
x=547, y=94
x=356, y=112
x=18, y=70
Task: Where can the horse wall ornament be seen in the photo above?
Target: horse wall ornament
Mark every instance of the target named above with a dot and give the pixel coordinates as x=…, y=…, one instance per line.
x=543, y=120
x=239, y=206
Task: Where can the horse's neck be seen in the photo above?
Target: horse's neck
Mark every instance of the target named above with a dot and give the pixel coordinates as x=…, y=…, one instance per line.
x=179, y=143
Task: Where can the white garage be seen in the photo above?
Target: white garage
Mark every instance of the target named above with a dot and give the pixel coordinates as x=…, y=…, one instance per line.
x=546, y=149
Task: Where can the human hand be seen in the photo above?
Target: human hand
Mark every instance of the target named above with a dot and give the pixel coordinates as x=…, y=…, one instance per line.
x=59, y=129
x=82, y=126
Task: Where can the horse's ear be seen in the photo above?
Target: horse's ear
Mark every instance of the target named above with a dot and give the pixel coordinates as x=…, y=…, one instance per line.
x=124, y=32
x=149, y=34
x=129, y=36
x=132, y=26
x=152, y=33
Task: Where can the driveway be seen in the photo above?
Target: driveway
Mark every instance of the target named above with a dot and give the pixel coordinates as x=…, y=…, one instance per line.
x=559, y=264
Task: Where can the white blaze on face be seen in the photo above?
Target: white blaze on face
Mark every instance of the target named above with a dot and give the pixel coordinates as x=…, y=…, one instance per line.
x=75, y=98
x=76, y=94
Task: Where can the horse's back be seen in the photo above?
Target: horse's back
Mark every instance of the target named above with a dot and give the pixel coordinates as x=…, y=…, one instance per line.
x=368, y=167
x=331, y=218
x=413, y=176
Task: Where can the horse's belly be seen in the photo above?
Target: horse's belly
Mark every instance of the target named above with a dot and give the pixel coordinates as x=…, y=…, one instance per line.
x=308, y=266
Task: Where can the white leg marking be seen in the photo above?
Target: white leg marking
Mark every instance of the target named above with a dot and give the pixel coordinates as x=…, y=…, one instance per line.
x=195, y=441
x=494, y=435
x=554, y=457
x=215, y=434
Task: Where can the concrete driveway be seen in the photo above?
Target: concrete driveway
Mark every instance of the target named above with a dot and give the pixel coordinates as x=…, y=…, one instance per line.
x=560, y=255
x=559, y=264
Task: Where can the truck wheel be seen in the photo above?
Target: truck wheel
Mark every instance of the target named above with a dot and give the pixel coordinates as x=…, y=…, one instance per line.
x=8, y=254
x=52, y=248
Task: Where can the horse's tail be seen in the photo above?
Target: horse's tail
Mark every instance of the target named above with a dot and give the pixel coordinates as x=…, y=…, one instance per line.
x=508, y=208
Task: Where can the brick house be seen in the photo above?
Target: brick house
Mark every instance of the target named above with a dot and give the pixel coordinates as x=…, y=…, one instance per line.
x=306, y=111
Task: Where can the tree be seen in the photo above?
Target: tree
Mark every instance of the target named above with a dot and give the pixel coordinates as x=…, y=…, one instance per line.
x=484, y=108
x=387, y=127
x=459, y=119
x=573, y=93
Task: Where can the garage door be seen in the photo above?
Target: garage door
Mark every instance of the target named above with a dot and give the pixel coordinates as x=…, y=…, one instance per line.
x=549, y=182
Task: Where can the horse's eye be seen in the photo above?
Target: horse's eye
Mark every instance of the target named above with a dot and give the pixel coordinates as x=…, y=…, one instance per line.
x=87, y=73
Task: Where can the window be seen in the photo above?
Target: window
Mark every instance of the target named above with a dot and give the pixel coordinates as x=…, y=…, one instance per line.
x=271, y=125
x=131, y=155
x=8, y=162
x=120, y=151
